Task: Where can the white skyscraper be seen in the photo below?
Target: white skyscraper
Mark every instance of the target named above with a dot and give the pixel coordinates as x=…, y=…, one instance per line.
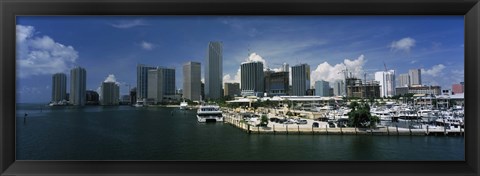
x=155, y=86
x=214, y=70
x=403, y=80
x=339, y=88
x=415, y=76
x=386, y=80
x=78, y=86
x=192, y=81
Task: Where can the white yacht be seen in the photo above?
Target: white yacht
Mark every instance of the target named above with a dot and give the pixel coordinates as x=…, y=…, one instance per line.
x=209, y=113
x=183, y=105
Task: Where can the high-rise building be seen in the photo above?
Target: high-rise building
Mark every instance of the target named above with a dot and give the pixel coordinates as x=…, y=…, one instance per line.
x=92, y=98
x=300, y=79
x=276, y=83
x=231, y=89
x=214, y=70
x=415, y=77
x=142, y=82
x=457, y=88
x=285, y=67
x=403, y=80
x=155, y=86
x=59, y=87
x=78, y=86
x=168, y=80
x=110, y=93
x=133, y=96
x=339, y=88
x=322, y=88
x=386, y=80
x=192, y=81
x=252, y=79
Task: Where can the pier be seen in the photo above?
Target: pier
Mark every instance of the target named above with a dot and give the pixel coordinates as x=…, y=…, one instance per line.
x=325, y=130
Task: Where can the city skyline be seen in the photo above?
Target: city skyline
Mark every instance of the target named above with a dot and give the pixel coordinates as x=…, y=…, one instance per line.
x=115, y=45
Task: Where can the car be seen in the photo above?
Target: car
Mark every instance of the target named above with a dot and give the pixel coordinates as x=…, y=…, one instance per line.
x=331, y=125
x=302, y=121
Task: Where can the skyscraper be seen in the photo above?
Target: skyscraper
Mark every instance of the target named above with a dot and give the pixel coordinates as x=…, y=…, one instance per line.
x=214, y=70
x=339, y=88
x=300, y=79
x=403, y=80
x=59, y=87
x=231, y=89
x=155, y=86
x=78, y=86
x=276, y=83
x=110, y=93
x=386, y=81
x=415, y=77
x=322, y=88
x=168, y=80
x=142, y=82
x=192, y=81
x=252, y=79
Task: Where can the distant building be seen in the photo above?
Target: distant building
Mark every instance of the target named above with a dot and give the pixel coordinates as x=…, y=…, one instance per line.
x=386, y=80
x=330, y=91
x=168, y=80
x=192, y=81
x=92, y=98
x=125, y=100
x=110, y=93
x=310, y=92
x=59, y=87
x=433, y=90
x=155, y=86
x=403, y=80
x=300, y=79
x=339, y=88
x=322, y=88
x=231, y=89
x=202, y=91
x=276, y=83
x=78, y=86
x=142, y=82
x=285, y=67
x=252, y=79
x=133, y=96
x=415, y=77
x=355, y=88
x=457, y=88
x=214, y=70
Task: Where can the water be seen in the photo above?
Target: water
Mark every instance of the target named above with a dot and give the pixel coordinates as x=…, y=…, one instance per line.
x=128, y=133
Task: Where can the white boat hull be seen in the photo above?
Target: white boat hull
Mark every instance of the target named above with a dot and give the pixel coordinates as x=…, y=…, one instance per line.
x=209, y=118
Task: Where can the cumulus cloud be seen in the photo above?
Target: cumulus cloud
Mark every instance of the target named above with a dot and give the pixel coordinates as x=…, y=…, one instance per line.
x=111, y=78
x=235, y=79
x=404, y=44
x=254, y=57
x=41, y=55
x=435, y=71
x=146, y=45
x=332, y=73
x=128, y=24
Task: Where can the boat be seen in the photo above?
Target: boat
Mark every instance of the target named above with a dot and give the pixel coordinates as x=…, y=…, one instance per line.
x=209, y=113
x=183, y=105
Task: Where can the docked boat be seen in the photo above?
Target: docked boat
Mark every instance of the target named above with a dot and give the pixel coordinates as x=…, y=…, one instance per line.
x=209, y=113
x=183, y=105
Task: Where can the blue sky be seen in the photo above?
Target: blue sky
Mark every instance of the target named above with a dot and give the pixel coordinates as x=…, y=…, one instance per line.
x=114, y=45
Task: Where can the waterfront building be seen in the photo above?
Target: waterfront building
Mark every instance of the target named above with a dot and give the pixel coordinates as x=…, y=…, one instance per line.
x=110, y=93
x=386, y=80
x=59, y=87
x=355, y=88
x=214, y=70
x=78, y=86
x=403, y=80
x=339, y=88
x=322, y=88
x=419, y=89
x=276, y=83
x=252, y=79
x=133, y=96
x=457, y=88
x=231, y=89
x=192, y=81
x=415, y=77
x=92, y=97
x=155, y=86
x=168, y=81
x=142, y=82
x=300, y=79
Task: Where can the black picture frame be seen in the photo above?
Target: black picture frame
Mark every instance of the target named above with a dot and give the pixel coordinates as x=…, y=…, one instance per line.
x=10, y=9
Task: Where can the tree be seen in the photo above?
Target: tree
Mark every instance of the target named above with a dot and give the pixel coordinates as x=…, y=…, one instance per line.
x=264, y=120
x=360, y=116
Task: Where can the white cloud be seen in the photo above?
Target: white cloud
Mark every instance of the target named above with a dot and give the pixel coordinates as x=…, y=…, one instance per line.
x=146, y=45
x=111, y=78
x=254, y=57
x=128, y=24
x=236, y=79
x=404, y=44
x=435, y=71
x=413, y=61
x=332, y=73
x=41, y=55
